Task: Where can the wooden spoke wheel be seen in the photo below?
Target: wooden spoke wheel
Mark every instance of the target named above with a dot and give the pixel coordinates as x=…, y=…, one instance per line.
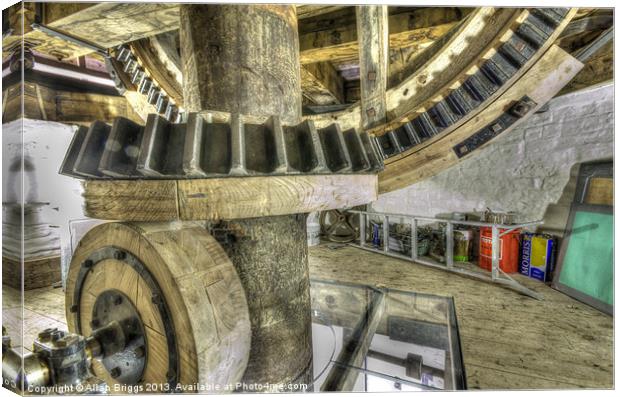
x=187, y=295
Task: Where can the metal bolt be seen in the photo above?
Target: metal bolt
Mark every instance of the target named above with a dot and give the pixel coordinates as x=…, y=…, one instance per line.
x=371, y=112
x=65, y=341
x=45, y=335
x=520, y=109
x=119, y=255
x=372, y=76
x=496, y=127
x=56, y=334
x=139, y=351
x=115, y=372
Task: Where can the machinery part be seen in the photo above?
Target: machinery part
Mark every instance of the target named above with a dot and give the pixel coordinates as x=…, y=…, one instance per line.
x=339, y=226
x=521, y=46
x=175, y=282
x=249, y=64
x=59, y=362
x=413, y=363
x=202, y=149
x=21, y=58
x=270, y=255
x=520, y=109
x=128, y=67
x=121, y=343
x=454, y=81
x=540, y=83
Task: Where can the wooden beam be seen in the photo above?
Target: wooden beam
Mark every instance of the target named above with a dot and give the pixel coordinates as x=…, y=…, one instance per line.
x=420, y=27
x=598, y=69
x=111, y=24
x=305, y=11
x=321, y=84
x=225, y=198
x=476, y=40
x=372, y=30
x=54, y=11
x=45, y=103
x=105, y=24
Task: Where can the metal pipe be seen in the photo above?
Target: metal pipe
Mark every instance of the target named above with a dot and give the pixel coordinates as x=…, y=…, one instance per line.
x=413, y=363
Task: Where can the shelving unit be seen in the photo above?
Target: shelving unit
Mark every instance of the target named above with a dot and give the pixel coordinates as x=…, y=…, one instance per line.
x=497, y=275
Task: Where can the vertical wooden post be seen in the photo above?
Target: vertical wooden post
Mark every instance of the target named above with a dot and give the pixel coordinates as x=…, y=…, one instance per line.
x=245, y=58
x=373, y=38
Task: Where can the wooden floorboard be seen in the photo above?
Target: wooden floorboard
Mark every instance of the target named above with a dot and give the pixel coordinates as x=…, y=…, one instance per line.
x=509, y=341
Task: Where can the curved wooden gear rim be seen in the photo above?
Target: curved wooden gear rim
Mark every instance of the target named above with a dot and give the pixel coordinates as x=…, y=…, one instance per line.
x=199, y=284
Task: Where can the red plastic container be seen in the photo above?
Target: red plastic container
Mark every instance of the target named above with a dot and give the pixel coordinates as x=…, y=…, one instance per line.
x=508, y=252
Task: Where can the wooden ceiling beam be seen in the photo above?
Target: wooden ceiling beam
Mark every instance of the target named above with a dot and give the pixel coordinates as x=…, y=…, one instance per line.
x=598, y=69
x=47, y=103
x=420, y=27
x=372, y=31
x=105, y=24
x=305, y=11
x=321, y=84
x=111, y=24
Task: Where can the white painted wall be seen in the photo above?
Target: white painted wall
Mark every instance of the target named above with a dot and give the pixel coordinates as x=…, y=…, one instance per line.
x=524, y=170
x=44, y=145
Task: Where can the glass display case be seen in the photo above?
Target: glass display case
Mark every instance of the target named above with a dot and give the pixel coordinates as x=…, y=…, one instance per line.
x=380, y=340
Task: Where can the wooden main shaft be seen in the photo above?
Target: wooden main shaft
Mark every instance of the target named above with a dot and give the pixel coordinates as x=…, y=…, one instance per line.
x=245, y=58
x=241, y=58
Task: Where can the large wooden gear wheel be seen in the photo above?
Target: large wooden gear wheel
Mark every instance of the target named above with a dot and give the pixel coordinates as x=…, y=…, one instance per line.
x=450, y=99
x=187, y=294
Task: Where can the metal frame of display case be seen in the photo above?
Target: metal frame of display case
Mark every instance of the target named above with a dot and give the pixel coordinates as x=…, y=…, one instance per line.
x=497, y=275
x=348, y=362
